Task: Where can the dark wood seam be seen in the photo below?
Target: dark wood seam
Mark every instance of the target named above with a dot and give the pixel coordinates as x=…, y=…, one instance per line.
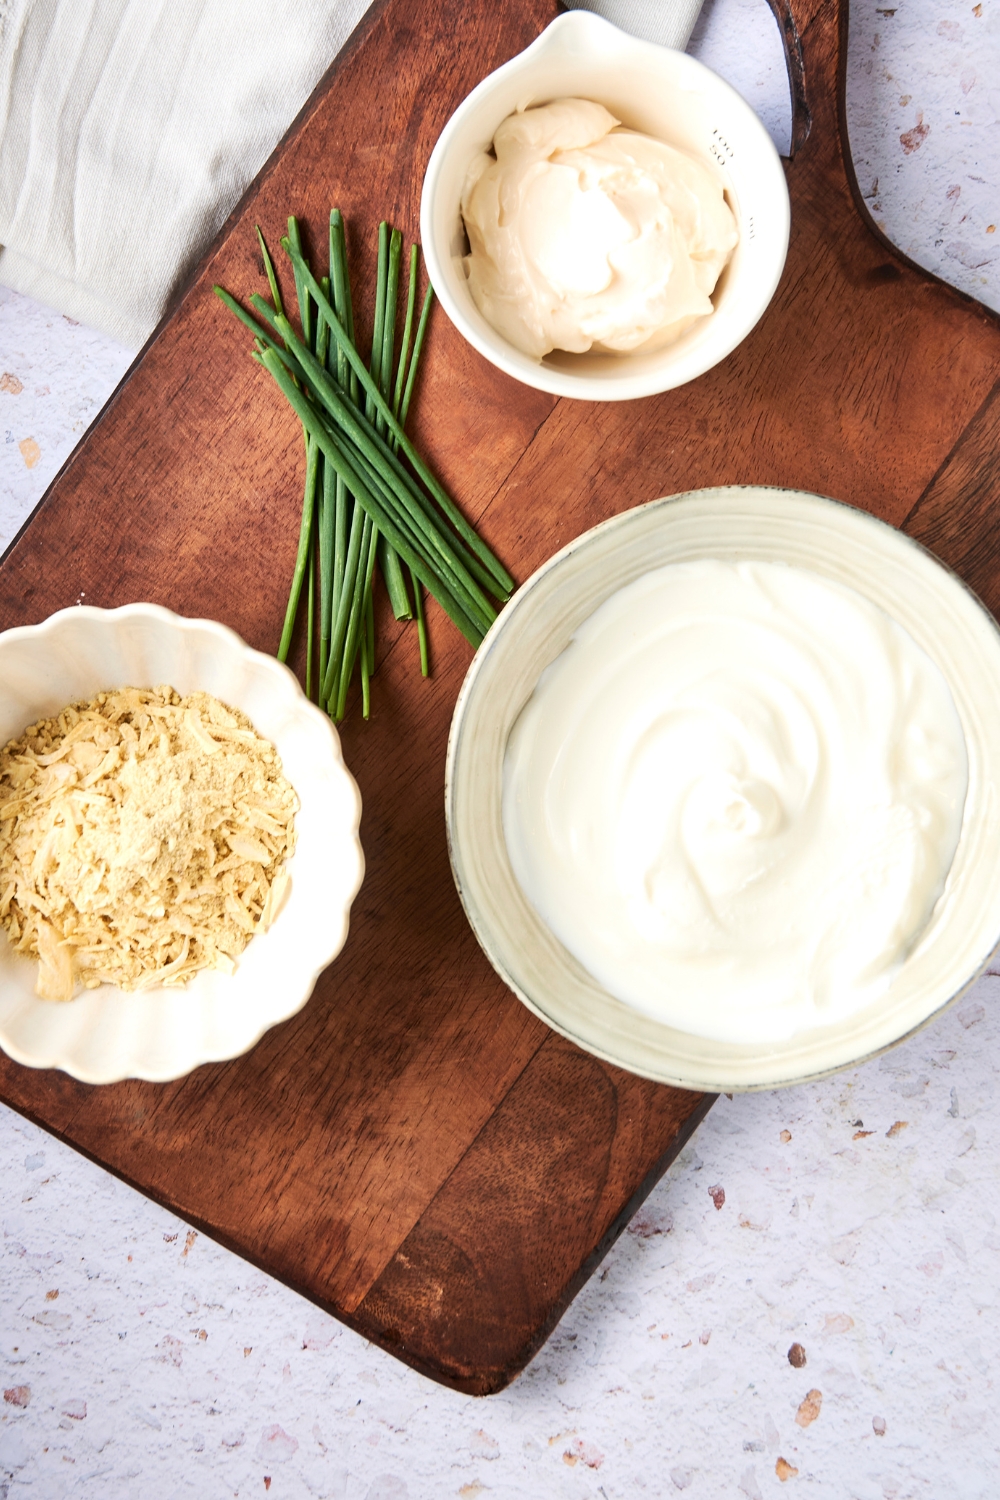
x=214, y=1234
x=952, y=453
x=611, y=1235
x=220, y=1237
x=497, y=1381
x=497, y=1107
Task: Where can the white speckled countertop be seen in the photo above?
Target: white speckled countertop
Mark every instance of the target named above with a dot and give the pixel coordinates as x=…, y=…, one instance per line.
x=809, y=1301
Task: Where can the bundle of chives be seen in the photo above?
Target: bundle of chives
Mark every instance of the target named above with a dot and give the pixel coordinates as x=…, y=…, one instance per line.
x=368, y=494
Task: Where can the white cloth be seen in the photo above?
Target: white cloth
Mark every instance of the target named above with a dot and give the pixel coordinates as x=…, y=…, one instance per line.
x=669, y=22
x=130, y=128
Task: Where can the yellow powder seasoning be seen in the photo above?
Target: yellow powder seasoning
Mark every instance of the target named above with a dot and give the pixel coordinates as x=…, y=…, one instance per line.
x=143, y=836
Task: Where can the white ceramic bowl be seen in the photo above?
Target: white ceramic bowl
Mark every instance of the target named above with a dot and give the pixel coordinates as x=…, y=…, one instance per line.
x=105, y=1035
x=840, y=543
x=667, y=95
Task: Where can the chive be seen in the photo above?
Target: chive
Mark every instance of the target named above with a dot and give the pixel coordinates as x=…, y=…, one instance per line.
x=342, y=299
x=444, y=567
x=305, y=539
x=389, y=323
x=370, y=628
x=404, y=349
x=357, y=619
x=381, y=280
x=391, y=571
x=330, y=686
x=367, y=656
x=418, y=345
x=401, y=384
x=310, y=417
x=355, y=615
x=327, y=502
x=343, y=503
x=475, y=543
x=425, y=670
x=322, y=328
x=377, y=452
x=368, y=494
x=395, y=583
x=348, y=555
x=301, y=288
x=447, y=565
x=310, y=612
x=338, y=270
x=270, y=273
x=366, y=697
x=339, y=539
x=382, y=276
x=383, y=456
x=327, y=563
x=244, y=317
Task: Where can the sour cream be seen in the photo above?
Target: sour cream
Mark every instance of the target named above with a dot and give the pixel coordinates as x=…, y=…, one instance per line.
x=585, y=236
x=735, y=798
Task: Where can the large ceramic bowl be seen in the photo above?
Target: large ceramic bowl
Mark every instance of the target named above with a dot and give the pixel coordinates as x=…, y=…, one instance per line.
x=665, y=94
x=839, y=543
x=104, y=1035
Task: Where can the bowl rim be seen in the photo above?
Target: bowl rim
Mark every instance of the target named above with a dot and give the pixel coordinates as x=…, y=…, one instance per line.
x=283, y=674
x=552, y=379
x=453, y=772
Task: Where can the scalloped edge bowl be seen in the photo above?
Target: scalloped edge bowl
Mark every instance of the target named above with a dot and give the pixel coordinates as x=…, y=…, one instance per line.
x=847, y=545
x=668, y=95
x=105, y=1035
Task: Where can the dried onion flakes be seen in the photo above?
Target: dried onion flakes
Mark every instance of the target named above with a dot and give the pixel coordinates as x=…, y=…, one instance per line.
x=143, y=836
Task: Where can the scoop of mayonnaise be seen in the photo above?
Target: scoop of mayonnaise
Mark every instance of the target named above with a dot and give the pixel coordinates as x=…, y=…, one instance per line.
x=586, y=236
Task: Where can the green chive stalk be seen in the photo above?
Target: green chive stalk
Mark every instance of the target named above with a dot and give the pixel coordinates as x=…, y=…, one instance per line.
x=348, y=557
x=404, y=348
x=387, y=521
x=310, y=614
x=418, y=345
x=392, y=508
x=269, y=272
x=391, y=570
x=330, y=686
x=305, y=309
x=305, y=540
x=416, y=505
x=418, y=595
x=400, y=407
x=368, y=494
x=337, y=330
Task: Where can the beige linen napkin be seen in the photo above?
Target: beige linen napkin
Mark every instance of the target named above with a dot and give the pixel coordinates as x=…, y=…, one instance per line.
x=130, y=128
x=669, y=22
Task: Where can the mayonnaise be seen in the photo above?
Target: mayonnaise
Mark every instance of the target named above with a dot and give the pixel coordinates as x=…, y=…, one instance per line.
x=584, y=236
x=735, y=798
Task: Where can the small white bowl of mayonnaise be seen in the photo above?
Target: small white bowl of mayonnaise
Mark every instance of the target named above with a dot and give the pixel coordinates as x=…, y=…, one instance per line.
x=602, y=217
x=722, y=789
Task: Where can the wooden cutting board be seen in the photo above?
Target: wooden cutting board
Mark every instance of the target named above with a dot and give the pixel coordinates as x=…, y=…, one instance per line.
x=414, y=1151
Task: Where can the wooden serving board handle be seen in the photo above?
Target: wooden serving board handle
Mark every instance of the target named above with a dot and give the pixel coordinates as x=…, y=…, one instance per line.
x=414, y=1151
x=932, y=364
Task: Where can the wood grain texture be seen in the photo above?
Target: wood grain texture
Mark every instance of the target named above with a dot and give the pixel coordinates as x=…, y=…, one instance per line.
x=414, y=1151
x=956, y=516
